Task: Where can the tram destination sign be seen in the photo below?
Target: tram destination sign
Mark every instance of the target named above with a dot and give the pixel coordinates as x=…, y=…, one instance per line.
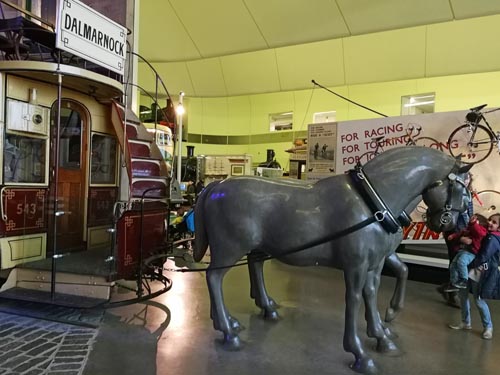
x=86, y=33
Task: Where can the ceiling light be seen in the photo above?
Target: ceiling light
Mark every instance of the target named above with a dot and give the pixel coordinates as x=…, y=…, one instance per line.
x=416, y=104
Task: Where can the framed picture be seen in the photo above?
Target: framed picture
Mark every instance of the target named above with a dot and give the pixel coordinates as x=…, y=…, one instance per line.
x=237, y=170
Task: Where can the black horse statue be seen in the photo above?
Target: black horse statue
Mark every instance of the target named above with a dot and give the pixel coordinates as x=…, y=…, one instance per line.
x=351, y=221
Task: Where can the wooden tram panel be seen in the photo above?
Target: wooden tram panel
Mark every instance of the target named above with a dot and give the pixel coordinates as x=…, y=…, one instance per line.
x=129, y=242
x=25, y=210
x=100, y=205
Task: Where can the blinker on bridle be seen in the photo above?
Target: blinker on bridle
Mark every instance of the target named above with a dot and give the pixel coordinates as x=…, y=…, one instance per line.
x=447, y=210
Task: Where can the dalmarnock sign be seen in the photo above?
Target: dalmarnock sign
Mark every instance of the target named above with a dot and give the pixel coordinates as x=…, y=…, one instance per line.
x=88, y=34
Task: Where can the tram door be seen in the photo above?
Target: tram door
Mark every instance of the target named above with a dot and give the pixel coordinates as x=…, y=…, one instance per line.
x=71, y=176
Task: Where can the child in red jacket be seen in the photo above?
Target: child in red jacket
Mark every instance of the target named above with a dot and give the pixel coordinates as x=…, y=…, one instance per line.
x=469, y=243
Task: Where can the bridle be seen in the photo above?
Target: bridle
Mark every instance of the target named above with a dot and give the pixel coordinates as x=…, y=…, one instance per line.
x=448, y=209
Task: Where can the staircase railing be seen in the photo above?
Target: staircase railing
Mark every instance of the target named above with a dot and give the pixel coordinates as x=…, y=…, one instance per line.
x=159, y=84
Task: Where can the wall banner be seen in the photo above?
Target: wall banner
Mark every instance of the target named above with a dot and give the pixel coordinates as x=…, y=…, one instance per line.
x=357, y=140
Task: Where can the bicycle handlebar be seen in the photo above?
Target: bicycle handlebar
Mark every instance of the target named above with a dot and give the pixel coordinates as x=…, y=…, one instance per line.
x=492, y=110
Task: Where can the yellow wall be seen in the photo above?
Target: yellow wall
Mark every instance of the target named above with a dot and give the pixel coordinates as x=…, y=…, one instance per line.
x=242, y=115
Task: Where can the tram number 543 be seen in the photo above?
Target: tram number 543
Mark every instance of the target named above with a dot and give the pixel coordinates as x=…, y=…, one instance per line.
x=28, y=209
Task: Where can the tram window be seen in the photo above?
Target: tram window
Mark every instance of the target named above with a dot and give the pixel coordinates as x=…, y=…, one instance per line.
x=24, y=159
x=103, y=160
x=70, y=143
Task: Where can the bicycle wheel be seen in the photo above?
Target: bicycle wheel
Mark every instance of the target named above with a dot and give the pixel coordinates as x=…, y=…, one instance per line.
x=428, y=142
x=486, y=202
x=472, y=148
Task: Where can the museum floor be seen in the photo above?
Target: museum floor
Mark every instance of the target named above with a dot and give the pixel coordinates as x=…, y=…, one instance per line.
x=173, y=335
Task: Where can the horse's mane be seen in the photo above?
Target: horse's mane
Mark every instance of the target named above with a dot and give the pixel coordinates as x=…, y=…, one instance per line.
x=398, y=155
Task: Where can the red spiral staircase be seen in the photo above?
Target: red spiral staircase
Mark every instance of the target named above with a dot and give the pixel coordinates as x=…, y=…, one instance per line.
x=141, y=225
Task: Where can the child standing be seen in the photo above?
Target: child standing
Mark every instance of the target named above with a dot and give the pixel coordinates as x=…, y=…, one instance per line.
x=469, y=243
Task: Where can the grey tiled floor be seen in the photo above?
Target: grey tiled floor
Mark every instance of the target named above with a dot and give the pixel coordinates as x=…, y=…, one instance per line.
x=33, y=347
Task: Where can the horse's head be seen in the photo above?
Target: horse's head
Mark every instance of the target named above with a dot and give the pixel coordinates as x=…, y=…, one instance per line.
x=446, y=199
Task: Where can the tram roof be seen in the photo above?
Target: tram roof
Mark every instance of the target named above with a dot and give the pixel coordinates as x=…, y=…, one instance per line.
x=100, y=87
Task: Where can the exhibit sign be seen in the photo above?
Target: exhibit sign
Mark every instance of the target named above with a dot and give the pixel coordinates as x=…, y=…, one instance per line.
x=84, y=32
x=322, y=143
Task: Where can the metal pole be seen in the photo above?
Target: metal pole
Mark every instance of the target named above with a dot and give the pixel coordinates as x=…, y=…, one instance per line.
x=180, y=112
x=57, y=213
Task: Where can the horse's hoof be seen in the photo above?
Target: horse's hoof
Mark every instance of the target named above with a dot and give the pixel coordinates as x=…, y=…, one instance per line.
x=389, y=333
x=235, y=324
x=387, y=346
x=273, y=304
x=232, y=342
x=364, y=366
x=270, y=314
x=390, y=314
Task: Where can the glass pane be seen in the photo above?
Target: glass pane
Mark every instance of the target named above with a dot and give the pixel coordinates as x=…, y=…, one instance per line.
x=71, y=139
x=24, y=159
x=417, y=104
x=103, y=161
x=280, y=121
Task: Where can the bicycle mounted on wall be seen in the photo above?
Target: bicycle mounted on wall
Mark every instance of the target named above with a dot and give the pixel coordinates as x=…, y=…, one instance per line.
x=474, y=140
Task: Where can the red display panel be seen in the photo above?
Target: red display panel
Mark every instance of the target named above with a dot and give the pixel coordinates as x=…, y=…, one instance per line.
x=129, y=240
x=24, y=211
x=101, y=202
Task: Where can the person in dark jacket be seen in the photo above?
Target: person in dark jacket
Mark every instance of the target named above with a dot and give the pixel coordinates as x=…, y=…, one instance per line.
x=486, y=262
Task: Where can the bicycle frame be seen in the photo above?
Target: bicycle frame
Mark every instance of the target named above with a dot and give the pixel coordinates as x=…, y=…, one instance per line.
x=474, y=127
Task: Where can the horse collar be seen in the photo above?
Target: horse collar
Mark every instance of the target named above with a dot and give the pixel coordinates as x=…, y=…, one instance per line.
x=381, y=212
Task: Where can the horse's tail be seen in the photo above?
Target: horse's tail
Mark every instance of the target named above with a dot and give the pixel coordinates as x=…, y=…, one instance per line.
x=201, y=238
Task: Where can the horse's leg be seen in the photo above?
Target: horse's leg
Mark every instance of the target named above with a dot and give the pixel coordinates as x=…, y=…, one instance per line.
x=400, y=269
x=355, y=278
x=221, y=319
x=375, y=327
x=258, y=288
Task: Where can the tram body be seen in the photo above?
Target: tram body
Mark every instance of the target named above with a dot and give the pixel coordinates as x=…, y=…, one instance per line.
x=44, y=217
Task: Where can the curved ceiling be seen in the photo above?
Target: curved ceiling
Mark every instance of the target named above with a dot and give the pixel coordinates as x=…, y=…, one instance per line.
x=236, y=47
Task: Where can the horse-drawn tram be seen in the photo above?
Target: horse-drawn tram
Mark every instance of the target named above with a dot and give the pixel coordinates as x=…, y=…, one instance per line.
x=85, y=190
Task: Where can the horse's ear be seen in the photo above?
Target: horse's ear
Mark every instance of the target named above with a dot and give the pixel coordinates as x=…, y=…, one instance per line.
x=464, y=168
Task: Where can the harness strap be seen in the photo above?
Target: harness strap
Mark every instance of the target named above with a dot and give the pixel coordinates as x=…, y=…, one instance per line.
x=329, y=238
x=381, y=212
x=262, y=257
